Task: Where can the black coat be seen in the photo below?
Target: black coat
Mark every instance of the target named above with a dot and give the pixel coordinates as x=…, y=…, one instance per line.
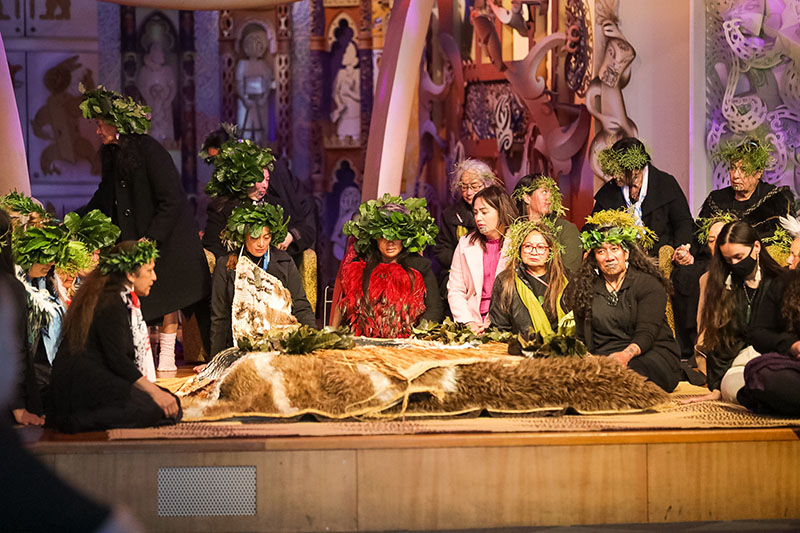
x=458, y=214
x=664, y=209
x=282, y=267
x=514, y=316
x=142, y=193
x=93, y=389
x=284, y=190
x=761, y=210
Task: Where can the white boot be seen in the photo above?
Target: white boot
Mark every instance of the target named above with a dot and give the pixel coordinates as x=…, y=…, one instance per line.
x=166, y=352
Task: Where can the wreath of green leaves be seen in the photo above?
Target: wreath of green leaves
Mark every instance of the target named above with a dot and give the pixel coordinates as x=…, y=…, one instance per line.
x=110, y=106
x=521, y=228
x=251, y=220
x=614, y=163
x=616, y=226
x=95, y=229
x=24, y=205
x=128, y=261
x=544, y=182
x=416, y=229
x=704, y=224
x=753, y=153
x=46, y=244
x=239, y=165
x=781, y=240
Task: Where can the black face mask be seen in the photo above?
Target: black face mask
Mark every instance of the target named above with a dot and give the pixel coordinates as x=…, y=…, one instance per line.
x=743, y=268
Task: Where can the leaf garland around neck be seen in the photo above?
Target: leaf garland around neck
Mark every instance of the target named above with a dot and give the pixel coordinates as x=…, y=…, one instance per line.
x=704, y=224
x=238, y=166
x=113, y=108
x=392, y=218
x=616, y=226
x=614, y=163
x=544, y=182
x=128, y=261
x=753, y=154
x=521, y=228
x=251, y=220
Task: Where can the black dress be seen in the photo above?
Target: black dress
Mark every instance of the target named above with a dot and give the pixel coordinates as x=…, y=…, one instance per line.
x=142, y=193
x=638, y=316
x=664, y=209
x=282, y=267
x=93, y=389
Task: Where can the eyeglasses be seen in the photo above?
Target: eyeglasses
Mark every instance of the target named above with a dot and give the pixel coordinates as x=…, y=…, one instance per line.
x=474, y=187
x=529, y=248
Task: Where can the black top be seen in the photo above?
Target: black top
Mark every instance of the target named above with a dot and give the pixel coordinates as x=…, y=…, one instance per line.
x=769, y=330
x=282, y=267
x=516, y=317
x=761, y=210
x=664, y=209
x=639, y=316
x=458, y=214
x=142, y=193
x=570, y=238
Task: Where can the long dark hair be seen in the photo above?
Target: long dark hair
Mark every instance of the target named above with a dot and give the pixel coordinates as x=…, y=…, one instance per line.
x=790, y=309
x=6, y=255
x=556, y=278
x=81, y=311
x=525, y=181
x=720, y=307
x=499, y=200
x=580, y=292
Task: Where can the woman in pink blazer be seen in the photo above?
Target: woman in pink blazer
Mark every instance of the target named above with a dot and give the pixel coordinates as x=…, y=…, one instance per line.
x=479, y=258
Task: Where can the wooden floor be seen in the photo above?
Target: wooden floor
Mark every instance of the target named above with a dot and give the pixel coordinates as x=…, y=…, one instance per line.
x=442, y=481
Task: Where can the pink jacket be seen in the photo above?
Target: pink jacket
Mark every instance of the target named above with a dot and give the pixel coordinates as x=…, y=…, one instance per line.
x=466, y=280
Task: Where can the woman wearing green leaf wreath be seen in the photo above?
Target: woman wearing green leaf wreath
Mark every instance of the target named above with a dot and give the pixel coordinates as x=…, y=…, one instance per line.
x=539, y=198
x=103, y=376
x=142, y=192
x=528, y=293
x=258, y=287
x=389, y=287
x=619, y=299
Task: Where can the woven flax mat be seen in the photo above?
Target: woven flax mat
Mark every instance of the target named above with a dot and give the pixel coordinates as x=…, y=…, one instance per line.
x=705, y=415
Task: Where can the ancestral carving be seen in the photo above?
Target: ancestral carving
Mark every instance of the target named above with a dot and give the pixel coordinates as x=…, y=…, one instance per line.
x=254, y=84
x=156, y=79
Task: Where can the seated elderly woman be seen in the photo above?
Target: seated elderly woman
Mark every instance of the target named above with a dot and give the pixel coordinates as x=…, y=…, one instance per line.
x=538, y=197
x=620, y=298
x=258, y=284
x=528, y=293
x=103, y=373
x=389, y=287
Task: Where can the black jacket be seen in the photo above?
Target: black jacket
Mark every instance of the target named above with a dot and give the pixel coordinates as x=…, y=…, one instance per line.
x=761, y=210
x=513, y=316
x=458, y=214
x=142, y=193
x=664, y=209
x=282, y=267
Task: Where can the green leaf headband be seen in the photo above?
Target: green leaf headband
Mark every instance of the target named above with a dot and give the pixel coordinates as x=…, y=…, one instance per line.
x=128, y=261
x=706, y=223
x=616, y=226
x=251, y=220
x=614, y=163
x=548, y=183
x=753, y=154
x=238, y=166
x=94, y=229
x=521, y=228
x=394, y=219
x=111, y=107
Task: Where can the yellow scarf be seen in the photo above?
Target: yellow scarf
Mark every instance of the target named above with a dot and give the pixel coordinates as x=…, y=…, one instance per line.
x=541, y=324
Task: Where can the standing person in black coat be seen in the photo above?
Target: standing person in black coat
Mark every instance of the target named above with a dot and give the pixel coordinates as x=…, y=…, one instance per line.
x=103, y=375
x=654, y=196
x=141, y=191
x=245, y=172
x=260, y=282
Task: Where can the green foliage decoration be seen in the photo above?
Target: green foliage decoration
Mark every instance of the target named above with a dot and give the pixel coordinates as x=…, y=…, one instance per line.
x=521, y=228
x=251, y=220
x=24, y=205
x=704, y=224
x=387, y=218
x=94, y=229
x=238, y=166
x=614, y=163
x=115, y=109
x=544, y=182
x=616, y=226
x=128, y=261
x=781, y=240
x=752, y=153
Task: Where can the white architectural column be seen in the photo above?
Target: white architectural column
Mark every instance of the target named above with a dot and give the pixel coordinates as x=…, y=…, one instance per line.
x=12, y=146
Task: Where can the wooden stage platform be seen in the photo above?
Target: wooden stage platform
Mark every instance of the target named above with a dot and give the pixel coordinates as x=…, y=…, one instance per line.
x=435, y=481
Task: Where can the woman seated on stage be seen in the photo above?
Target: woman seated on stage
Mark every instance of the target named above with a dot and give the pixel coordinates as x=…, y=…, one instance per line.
x=103, y=373
x=258, y=284
x=528, y=293
x=741, y=274
x=538, y=197
x=620, y=298
x=389, y=287
x=478, y=258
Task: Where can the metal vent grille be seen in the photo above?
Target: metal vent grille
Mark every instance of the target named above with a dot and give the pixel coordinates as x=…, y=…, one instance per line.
x=207, y=491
